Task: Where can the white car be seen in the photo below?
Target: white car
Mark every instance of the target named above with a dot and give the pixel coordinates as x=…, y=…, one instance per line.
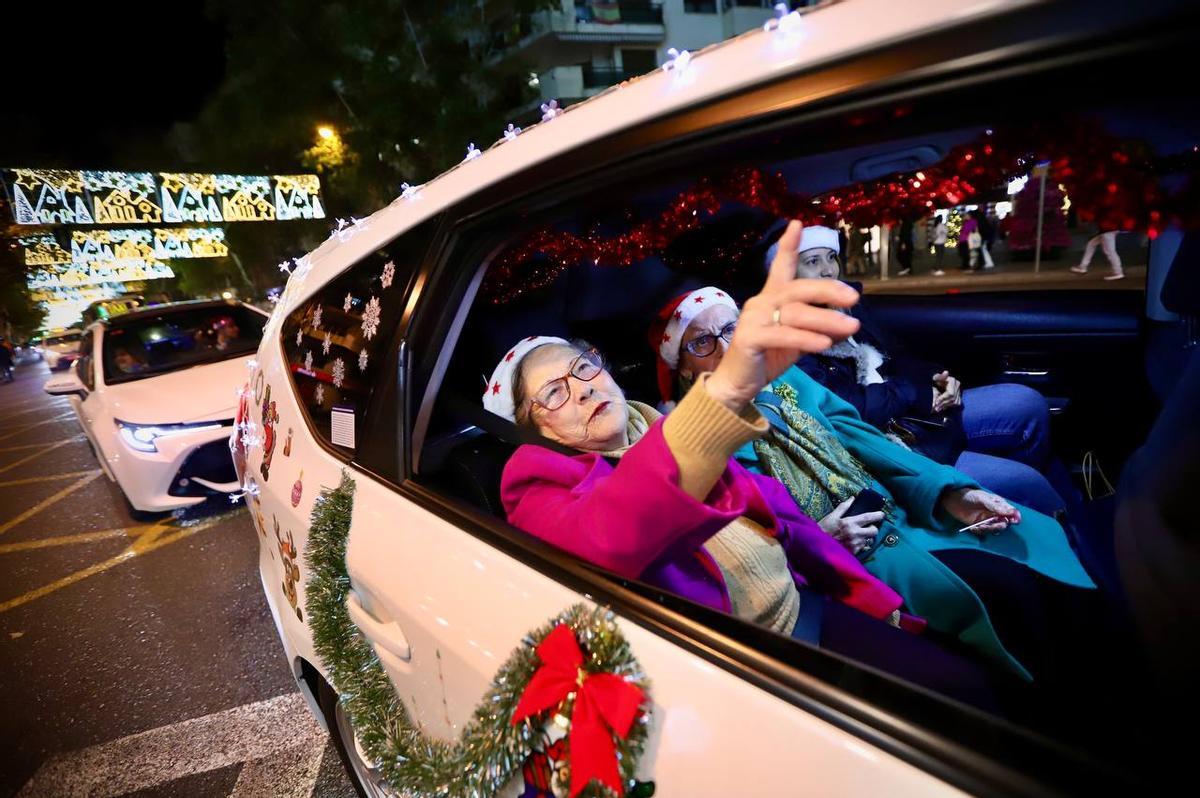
x=152, y=392
x=409, y=608
x=60, y=350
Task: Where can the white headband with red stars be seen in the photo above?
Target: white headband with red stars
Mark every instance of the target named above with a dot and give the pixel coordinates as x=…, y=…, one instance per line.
x=690, y=306
x=498, y=398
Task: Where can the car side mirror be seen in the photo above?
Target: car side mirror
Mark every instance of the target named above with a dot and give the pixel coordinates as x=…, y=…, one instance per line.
x=66, y=384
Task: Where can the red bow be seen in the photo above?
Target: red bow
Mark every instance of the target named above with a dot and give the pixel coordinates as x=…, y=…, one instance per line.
x=605, y=704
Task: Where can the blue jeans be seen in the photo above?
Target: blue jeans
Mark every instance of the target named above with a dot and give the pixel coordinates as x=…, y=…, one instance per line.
x=1008, y=444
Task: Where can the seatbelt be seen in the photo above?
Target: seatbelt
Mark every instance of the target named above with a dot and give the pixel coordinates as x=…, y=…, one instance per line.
x=505, y=430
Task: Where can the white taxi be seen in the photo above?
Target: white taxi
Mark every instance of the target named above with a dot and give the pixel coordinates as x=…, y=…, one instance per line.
x=452, y=654
x=151, y=389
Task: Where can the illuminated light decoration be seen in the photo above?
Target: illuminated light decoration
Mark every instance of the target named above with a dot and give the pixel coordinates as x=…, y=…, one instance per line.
x=298, y=197
x=678, y=64
x=410, y=193
x=190, y=242
x=346, y=230
x=245, y=198
x=550, y=110
x=99, y=273
x=473, y=152
x=123, y=197
x=370, y=320
x=60, y=196
x=786, y=23
x=43, y=250
x=363, y=357
x=285, y=267
x=111, y=245
x=303, y=267
x=252, y=364
x=511, y=132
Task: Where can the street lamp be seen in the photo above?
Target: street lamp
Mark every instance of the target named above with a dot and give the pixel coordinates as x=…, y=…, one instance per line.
x=326, y=132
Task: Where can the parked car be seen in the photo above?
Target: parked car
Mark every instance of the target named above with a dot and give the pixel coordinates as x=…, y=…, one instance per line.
x=59, y=350
x=152, y=392
x=372, y=367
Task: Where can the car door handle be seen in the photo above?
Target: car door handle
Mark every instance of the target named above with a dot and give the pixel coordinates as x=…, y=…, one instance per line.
x=384, y=635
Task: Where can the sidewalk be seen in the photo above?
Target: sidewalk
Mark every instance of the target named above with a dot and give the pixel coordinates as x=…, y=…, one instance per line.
x=1018, y=276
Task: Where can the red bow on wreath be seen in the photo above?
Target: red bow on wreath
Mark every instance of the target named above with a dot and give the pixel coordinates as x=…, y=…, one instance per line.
x=605, y=704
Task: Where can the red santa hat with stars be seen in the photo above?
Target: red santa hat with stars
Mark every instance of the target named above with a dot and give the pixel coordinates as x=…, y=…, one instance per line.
x=666, y=334
x=498, y=398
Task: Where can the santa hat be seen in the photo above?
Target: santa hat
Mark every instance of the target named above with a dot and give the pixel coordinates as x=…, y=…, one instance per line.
x=498, y=398
x=812, y=237
x=666, y=334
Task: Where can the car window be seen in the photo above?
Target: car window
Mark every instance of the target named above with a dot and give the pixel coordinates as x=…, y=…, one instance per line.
x=337, y=342
x=61, y=340
x=601, y=266
x=153, y=344
x=83, y=366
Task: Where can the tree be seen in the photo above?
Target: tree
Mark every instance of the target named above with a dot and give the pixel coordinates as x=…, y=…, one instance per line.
x=1022, y=230
x=20, y=316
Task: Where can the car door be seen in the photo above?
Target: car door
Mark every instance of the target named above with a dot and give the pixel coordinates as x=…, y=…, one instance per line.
x=87, y=406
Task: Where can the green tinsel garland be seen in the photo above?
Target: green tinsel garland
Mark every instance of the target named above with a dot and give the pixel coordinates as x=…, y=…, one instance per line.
x=491, y=751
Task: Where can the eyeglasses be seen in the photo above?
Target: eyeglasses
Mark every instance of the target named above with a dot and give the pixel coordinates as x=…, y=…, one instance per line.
x=705, y=345
x=555, y=393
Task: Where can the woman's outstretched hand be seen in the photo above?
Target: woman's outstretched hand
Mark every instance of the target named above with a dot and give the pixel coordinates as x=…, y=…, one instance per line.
x=789, y=318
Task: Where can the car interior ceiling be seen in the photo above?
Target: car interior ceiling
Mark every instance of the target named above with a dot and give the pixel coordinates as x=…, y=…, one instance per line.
x=1086, y=336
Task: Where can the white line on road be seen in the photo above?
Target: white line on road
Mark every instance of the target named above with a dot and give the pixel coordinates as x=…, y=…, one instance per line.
x=277, y=729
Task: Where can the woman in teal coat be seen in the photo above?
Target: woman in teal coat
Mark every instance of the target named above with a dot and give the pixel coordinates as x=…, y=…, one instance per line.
x=822, y=450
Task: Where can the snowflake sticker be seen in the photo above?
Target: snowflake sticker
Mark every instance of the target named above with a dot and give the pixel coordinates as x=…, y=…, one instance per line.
x=319, y=395
x=349, y=301
x=362, y=360
x=317, y=317
x=339, y=372
x=370, y=322
x=389, y=274
x=308, y=360
x=325, y=344
x=299, y=336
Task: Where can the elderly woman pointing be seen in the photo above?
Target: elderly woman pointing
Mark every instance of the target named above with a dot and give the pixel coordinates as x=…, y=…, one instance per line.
x=661, y=499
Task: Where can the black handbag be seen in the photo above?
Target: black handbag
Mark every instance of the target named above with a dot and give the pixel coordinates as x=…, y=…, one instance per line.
x=940, y=437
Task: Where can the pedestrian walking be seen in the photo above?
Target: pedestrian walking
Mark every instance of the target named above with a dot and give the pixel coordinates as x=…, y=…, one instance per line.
x=1107, y=241
x=940, y=235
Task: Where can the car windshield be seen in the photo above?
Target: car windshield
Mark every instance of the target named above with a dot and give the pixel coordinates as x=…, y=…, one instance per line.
x=59, y=340
x=176, y=339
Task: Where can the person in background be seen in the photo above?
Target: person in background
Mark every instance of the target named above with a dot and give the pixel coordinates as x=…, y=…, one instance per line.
x=6, y=360
x=1107, y=241
x=127, y=361
x=941, y=233
x=904, y=248
x=987, y=234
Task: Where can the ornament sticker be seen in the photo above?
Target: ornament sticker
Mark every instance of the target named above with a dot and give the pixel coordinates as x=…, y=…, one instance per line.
x=287, y=444
x=270, y=417
x=298, y=490
x=291, y=571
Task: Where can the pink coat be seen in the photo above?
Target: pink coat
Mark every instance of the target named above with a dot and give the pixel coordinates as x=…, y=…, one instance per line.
x=635, y=520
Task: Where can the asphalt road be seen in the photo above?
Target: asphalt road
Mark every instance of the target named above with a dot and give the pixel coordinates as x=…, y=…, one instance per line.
x=136, y=657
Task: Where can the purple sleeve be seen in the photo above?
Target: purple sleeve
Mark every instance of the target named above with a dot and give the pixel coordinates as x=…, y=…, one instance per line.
x=623, y=518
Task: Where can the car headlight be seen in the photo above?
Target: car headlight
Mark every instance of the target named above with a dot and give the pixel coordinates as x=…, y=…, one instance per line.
x=143, y=437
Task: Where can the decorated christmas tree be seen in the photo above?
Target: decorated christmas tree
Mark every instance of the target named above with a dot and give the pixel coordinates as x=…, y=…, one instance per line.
x=1022, y=227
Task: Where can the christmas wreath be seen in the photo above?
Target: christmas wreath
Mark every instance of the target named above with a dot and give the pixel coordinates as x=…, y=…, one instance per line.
x=576, y=670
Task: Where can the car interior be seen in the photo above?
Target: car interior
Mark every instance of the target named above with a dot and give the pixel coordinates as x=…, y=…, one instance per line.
x=1108, y=367
x=160, y=342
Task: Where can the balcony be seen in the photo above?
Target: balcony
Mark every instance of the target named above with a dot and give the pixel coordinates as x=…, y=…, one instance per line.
x=619, y=13
x=602, y=77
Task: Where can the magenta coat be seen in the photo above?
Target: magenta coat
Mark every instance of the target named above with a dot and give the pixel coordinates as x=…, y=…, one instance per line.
x=635, y=520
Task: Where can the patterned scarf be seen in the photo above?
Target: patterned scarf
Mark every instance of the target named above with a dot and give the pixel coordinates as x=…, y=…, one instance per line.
x=806, y=457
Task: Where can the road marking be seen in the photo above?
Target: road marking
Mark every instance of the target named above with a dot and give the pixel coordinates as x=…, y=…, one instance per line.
x=260, y=734
x=37, y=454
x=154, y=537
x=44, y=503
x=67, y=540
x=41, y=409
x=47, y=478
x=27, y=427
x=23, y=446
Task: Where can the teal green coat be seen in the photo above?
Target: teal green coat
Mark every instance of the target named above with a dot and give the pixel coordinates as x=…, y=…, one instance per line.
x=903, y=556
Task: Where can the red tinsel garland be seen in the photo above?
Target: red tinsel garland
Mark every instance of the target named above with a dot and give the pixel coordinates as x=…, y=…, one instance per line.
x=1110, y=181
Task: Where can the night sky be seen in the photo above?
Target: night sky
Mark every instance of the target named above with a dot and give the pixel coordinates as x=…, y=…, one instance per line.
x=98, y=86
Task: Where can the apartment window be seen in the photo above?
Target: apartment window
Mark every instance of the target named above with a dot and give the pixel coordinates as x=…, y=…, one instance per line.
x=700, y=6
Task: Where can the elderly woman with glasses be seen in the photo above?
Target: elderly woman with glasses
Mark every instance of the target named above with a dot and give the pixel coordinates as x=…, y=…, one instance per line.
x=660, y=499
x=826, y=454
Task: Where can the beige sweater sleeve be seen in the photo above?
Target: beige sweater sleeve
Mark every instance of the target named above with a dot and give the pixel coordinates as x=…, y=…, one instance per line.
x=703, y=434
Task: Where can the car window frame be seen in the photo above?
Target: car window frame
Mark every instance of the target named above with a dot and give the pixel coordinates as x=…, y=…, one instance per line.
x=725, y=642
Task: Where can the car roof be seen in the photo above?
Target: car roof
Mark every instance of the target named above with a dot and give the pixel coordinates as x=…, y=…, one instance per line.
x=169, y=307
x=826, y=33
